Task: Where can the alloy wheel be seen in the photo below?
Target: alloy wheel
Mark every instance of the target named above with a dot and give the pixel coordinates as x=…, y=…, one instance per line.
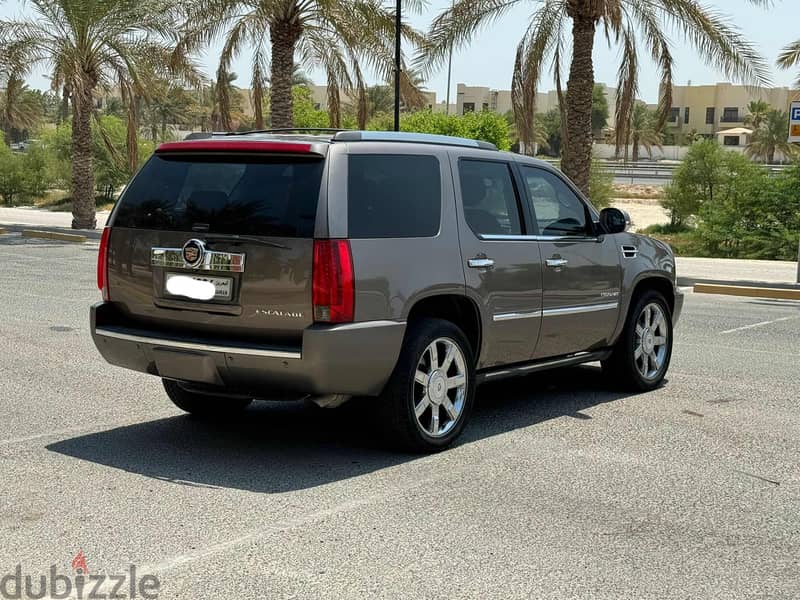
x=440, y=387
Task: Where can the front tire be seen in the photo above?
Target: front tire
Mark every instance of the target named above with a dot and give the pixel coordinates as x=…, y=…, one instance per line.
x=203, y=405
x=642, y=355
x=430, y=395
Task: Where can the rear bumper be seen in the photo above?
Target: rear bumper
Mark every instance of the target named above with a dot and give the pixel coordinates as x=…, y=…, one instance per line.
x=355, y=358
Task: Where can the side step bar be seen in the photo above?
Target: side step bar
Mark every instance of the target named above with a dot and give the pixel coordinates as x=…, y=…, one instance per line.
x=521, y=369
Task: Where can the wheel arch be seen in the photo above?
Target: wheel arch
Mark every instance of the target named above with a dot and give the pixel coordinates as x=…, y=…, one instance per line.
x=646, y=281
x=456, y=308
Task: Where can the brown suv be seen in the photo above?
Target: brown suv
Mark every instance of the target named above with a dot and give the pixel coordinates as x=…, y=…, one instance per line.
x=407, y=267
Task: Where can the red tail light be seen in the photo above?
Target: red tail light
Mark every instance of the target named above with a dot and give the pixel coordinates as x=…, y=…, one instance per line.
x=102, y=263
x=332, y=291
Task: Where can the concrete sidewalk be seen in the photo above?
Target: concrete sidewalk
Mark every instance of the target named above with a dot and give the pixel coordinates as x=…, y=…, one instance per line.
x=758, y=273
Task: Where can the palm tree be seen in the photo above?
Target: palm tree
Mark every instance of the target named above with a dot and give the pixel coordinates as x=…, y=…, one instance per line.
x=20, y=109
x=790, y=58
x=88, y=45
x=757, y=113
x=558, y=26
x=643, y=131
x=335, y=35
x=770, y=138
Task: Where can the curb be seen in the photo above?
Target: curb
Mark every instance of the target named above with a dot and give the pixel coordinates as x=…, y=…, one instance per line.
x=53, y=235
x=89, y=234
x=750, y=292
x=692, y=281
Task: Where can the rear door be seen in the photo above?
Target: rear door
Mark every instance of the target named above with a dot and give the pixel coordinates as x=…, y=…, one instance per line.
x=218, y=243
x=502, y=264
x=581, y=271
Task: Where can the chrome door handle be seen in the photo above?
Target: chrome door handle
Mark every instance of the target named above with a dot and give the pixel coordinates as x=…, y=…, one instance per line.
x=480, y=263
x=556, y=262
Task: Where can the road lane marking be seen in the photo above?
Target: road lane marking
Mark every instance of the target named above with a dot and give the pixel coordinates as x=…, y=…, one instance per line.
x=754, y=325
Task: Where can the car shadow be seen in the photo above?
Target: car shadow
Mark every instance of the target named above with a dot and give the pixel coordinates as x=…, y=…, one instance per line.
x=277, y=447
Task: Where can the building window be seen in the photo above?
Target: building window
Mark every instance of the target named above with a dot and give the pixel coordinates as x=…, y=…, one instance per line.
x=710, y=115
x=730, y=115
x=731, y=140
x=468, y=107
x=674, y=114
x=686, y=115
x=485, y=107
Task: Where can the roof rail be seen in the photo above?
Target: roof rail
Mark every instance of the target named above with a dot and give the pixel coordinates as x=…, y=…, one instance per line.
x=403, y=136
x=289, y=130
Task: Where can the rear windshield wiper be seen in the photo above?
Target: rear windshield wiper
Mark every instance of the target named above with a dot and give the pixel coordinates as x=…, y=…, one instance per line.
x=233, y=237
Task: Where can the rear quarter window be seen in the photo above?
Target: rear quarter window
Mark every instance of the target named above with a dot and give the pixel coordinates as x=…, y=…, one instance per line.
x=393, y=196
x=247, y=195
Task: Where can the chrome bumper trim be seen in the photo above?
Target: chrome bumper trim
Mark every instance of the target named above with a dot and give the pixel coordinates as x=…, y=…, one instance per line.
x=167, y=343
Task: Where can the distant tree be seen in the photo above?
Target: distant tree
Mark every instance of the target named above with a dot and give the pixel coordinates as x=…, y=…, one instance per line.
x=757, y=113
x=21, y=109
x=643, y=131
x=771, y=137
x=599, y=110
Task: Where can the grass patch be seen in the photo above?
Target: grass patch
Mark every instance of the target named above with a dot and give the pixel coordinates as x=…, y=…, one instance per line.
x=60, y=201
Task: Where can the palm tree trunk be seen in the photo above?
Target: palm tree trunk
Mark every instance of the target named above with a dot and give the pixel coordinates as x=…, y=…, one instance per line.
x=83, y=206
x=132, y=137
x=635, y=148
x=284, y=37
x=771, y=155
x=577, y=158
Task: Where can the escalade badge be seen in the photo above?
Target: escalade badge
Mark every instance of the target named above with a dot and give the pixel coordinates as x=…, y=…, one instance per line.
x=193, y=252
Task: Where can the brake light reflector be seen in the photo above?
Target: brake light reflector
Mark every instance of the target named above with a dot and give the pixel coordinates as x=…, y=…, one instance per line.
x=332, y=289
x=102, y=263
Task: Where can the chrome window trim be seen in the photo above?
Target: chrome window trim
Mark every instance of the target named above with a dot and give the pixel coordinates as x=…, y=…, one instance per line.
x=538, y=238
x=231, y=262
x=141, y=339
x=574, y=310
x=512, y=316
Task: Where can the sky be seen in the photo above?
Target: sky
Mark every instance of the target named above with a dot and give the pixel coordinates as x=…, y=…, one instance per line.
x=489, y=59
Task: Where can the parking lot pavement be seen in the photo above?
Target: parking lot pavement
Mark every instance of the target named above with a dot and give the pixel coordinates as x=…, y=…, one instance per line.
x=561, y=488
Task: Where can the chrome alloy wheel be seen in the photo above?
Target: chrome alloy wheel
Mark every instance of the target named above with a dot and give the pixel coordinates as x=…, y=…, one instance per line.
x=440, y=387
x=652, y=337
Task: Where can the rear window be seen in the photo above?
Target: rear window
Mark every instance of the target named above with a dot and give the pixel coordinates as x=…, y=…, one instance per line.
x=397, y=195
x=236, y=195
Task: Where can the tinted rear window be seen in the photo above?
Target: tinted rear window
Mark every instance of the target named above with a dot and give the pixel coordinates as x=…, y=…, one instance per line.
x=396, y=195
x=236, y=195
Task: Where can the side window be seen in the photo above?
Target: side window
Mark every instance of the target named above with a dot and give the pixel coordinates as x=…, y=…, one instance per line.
x=490, y=201
x=397, y=195
x=557, y=210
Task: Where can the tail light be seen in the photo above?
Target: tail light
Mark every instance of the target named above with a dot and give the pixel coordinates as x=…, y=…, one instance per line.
x=102, y=263
x=332, y=290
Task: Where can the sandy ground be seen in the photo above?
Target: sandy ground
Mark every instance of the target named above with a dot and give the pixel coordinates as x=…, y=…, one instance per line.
x=643, y=212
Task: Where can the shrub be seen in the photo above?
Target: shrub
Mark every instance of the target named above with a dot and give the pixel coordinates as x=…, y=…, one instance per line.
x=695, y=181
x=601, y=185
x=13, y=183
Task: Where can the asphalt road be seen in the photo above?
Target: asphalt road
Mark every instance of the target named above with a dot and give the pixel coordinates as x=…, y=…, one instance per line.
x=561, y=487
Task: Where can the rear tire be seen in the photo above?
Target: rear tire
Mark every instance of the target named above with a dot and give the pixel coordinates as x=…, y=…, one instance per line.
x=430, y=395
x=641, y=357
x=203, y=405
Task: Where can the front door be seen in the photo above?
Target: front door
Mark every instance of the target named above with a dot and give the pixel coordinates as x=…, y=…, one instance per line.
x=502, y=265
x=581, y=276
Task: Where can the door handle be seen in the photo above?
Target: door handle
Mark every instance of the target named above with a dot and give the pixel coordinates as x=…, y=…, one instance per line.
x=480, y=263
x=556, y=262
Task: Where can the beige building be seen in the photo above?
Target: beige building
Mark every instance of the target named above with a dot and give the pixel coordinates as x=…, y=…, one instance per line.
x=319, y=94
x=476, y=98
x=710, y=109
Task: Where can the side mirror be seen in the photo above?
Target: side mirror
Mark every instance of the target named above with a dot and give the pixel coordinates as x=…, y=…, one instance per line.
x=614, y=220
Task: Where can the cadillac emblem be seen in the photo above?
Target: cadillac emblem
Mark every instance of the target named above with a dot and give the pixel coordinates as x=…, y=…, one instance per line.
x=193, y=252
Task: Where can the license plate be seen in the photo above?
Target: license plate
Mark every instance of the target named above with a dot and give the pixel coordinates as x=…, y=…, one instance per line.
x=199, y=287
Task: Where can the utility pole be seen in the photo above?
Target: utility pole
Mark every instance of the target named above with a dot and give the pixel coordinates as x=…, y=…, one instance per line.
x=397, y=50
x=449, y=72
